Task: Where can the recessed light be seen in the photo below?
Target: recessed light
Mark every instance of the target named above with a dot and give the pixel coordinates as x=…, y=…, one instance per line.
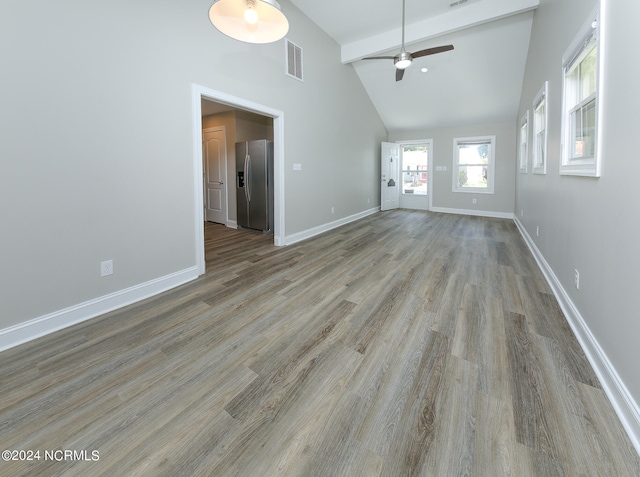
x=424, y=70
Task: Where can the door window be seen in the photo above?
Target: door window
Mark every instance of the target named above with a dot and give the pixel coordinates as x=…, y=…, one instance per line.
x=415, y=169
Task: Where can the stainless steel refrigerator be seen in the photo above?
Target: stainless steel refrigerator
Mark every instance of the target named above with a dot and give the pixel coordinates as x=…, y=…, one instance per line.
x=254, y=185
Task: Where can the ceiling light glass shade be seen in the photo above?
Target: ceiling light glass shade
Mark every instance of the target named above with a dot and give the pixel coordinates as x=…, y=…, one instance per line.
x=270, y=24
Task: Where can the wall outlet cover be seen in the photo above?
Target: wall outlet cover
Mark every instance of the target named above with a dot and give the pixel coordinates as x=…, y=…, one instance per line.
x=106, y=268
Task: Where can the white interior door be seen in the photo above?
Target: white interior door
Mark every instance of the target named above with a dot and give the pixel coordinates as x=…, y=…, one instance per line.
x=390, y=182
x=214, y=157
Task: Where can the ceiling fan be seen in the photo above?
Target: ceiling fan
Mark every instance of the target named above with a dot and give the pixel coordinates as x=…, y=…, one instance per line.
x=403, y=59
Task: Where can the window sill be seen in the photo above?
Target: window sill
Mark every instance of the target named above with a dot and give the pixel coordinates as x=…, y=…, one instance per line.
x=579, y=171
x=540, y=170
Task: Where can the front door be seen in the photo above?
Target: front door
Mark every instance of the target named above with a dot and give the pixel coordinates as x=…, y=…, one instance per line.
x=390, y=183
x=214, y=157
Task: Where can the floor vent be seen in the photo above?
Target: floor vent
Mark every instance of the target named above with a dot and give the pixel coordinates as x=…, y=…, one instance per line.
x=294, y=60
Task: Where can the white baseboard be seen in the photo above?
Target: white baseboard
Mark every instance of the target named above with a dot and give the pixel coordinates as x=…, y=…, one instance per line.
x=478, y=213
x=232, y=224
x=32, y=329
x=305, y=234
x=625, y=406
x=41, y=326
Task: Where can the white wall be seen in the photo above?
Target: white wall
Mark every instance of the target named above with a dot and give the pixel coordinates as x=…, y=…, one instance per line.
x=499, y=203
x=585, y=223
x=97, y=152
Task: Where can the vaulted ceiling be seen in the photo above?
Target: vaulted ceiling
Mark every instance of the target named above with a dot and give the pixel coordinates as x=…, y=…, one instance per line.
x=477, y=82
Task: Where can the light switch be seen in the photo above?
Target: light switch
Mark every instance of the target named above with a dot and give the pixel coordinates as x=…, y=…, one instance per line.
x=297, y=167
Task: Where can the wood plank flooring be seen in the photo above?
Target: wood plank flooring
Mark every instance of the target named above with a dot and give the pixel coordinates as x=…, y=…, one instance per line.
x=407, y=343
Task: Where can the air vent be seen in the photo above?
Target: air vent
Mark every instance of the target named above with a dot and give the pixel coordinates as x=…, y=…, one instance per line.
x=458, y=3
x=294, y=60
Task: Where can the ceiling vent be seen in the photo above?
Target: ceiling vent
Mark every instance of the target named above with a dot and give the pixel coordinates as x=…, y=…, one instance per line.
x=294, y=60
x=458, y=3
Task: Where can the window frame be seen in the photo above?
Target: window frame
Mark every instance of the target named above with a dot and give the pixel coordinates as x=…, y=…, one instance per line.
x=592, y=29
x=540, y=166
x=491, y=140
x=523, y=143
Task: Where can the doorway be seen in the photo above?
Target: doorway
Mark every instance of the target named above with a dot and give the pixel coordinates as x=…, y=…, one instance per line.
x=200, y=93
x=416, y=170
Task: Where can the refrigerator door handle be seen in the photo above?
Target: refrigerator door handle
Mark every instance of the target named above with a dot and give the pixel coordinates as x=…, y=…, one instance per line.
x=247, y=186
x=246, y=178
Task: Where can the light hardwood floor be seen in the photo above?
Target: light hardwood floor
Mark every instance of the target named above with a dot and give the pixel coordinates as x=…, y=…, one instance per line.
x=408, y=343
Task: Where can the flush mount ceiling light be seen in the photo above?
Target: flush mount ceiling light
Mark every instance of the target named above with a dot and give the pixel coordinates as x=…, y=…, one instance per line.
x=251, y=21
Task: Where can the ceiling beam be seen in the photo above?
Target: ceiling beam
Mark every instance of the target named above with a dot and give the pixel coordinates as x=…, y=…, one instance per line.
x=457, y=19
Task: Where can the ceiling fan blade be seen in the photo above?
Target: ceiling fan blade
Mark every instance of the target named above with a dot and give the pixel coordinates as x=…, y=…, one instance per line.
x=399, y=74
x=432, y=51
x=379, y=58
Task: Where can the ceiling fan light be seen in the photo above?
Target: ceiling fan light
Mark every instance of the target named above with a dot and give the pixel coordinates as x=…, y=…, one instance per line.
x=402, y=64
x=233, y=18
x=402, y=60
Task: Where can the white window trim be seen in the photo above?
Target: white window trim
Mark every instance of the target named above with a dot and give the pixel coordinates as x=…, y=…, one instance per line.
x=490, y=170
x=543, y=95
x=524, y=157
x=589, y=167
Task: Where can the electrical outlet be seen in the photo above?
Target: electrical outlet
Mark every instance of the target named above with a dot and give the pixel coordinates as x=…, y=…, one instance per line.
x=521, y=212
x=537, y=231
x=106, y=268
x=333, y=210
x=473, y=201
x=577, y=278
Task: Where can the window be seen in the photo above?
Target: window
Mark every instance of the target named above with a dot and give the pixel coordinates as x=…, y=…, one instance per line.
x=415, y=169
x=523, y=150
x=473, y=164
x=580, y=101
x=540, y=131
